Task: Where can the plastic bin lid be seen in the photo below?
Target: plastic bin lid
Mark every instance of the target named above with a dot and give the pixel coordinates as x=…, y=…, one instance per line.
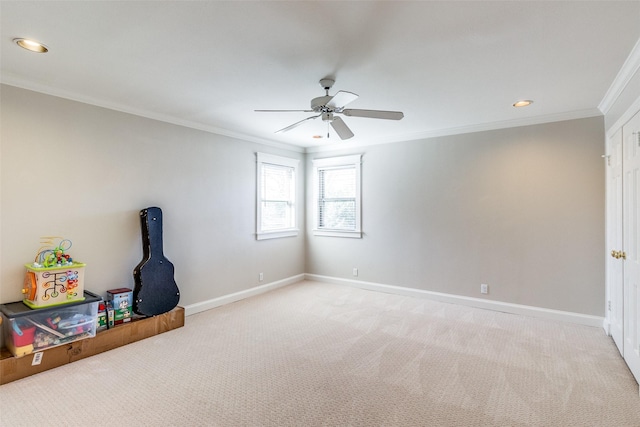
x=19, y=309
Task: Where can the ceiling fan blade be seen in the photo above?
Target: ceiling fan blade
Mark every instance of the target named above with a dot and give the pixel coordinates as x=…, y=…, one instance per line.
x=341, y=99
x=296, y=124
x=341, y=128
x=283, y=111
x=374, y=114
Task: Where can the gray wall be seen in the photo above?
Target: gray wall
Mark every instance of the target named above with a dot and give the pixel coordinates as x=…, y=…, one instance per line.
x=84, y=172
x=519, y=209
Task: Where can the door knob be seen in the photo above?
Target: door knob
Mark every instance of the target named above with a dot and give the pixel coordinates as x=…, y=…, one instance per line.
x=619, y=254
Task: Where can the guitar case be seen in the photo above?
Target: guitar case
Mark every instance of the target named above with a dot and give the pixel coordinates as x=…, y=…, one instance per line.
x=155, y=291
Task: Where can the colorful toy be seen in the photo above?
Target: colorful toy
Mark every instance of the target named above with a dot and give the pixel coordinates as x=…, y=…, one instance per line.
x=101, y=322
x=121, y=300
x=54, y=277
x=22, y=339
x=120, y=297
x=55, y=257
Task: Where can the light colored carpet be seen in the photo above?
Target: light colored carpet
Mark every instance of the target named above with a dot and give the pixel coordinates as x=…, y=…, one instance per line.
x=316, y=354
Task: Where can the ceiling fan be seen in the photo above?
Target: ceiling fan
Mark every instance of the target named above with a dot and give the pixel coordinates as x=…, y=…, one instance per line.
x=328, y=106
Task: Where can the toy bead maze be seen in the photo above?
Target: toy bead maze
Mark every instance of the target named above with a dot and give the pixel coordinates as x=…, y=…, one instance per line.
x=155, y=289
x=53, y=278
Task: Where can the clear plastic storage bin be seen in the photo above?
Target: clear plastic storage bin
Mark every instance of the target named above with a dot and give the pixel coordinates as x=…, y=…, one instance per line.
x=28, y=330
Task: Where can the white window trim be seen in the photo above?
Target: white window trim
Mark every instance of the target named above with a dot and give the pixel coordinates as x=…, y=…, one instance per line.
x=353, y=160
x=261, y=159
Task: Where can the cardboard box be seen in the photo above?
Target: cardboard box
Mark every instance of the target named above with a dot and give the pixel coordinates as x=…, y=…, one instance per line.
x=14, y=368
x=46, y=287
x=120, y=298
x=122, y=315
x=101, y=322
x=27, y=330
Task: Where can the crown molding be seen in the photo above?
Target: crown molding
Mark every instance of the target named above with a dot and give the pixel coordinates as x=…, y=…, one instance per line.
x=480, y=127
x=626, y=73
x=626, y=116
x=60, y=93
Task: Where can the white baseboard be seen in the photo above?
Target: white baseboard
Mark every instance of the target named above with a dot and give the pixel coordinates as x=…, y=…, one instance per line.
x=525, y=310
x=237, y=296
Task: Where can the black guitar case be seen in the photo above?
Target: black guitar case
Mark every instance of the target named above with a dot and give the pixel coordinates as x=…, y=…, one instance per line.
x=155, y=289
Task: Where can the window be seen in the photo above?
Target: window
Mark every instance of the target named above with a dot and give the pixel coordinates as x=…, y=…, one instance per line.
x=337, y=196
x=276, y=189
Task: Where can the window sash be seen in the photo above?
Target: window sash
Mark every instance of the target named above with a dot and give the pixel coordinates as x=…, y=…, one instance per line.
x=337, y=214
x=276, y=215
x=276, y=207
x=337, y=196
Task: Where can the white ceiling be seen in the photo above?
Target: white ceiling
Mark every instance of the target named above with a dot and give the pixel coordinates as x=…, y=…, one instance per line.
x=450, y=66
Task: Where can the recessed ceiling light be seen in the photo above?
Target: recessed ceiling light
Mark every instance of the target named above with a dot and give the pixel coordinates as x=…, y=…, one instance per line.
x=523, y=103
x=31, y=45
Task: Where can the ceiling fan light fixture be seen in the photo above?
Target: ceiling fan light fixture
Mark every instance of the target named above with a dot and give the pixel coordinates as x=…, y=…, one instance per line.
x=522, y=103
x=31, y=45
x=327, y=117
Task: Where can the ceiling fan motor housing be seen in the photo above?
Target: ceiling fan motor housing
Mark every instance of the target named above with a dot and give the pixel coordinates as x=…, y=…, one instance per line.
x=319, y=104
x=327, y=117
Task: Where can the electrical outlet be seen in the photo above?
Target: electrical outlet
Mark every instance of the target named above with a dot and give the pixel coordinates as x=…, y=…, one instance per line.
x=484, y=289
x=355, y=272
x=261, y=277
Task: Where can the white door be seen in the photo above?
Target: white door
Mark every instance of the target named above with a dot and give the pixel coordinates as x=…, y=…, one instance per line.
x=631, y=258
x=614, y=239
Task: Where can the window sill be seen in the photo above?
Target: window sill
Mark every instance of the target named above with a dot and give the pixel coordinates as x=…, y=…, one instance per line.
x=277, y=234
x=338, y=233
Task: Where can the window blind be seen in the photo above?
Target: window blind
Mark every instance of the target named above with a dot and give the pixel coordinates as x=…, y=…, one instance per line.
x=337, y=198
